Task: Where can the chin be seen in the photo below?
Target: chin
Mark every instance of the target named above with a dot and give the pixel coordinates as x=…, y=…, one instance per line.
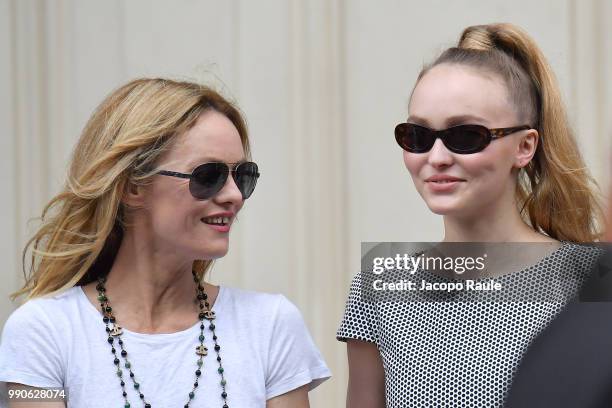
x=441, y=211
x=214, y=253
x=443, y=208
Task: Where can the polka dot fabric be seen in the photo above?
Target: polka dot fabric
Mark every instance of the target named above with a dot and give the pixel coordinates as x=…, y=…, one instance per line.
x=438, y=352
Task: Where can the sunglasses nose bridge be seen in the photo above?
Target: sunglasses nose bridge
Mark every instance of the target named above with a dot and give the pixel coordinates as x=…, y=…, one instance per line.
x=436, y=135
x=230, y=189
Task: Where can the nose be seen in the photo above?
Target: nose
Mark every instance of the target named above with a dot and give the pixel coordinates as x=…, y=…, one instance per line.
x=230, y=193
x=439, y=155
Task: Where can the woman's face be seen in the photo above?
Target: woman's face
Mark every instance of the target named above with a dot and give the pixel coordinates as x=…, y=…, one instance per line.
x=450, y=95
x=180, y=223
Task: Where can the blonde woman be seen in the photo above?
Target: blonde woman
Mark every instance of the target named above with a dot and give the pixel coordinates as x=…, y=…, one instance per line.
x=488, y=146
x=119, y=311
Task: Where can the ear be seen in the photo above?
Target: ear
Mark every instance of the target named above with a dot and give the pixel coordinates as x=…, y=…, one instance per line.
x=526, y=148
x=133, y=195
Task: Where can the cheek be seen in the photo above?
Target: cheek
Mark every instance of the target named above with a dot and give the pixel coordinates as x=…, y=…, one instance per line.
x=477, y=164
x=413, y=162
x=172, y=210
x=490, y=171
x=171, y=217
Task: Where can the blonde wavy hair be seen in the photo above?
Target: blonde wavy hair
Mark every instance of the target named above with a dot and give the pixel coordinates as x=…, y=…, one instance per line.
x=555, y=191
x=82, y=226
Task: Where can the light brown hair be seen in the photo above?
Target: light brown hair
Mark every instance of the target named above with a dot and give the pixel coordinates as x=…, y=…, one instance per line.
x=555, y=192
x=82, y=226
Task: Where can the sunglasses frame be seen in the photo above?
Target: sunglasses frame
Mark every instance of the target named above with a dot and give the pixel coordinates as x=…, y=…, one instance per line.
x=492, y=134
x=230, y=169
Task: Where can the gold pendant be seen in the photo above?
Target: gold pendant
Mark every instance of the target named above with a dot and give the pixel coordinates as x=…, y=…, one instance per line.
x=209, y=314
x=201, y=351
x=116, y=331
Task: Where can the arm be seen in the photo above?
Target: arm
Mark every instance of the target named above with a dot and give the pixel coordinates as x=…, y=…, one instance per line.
x=366, y=387
x=297, y=398
x=31, y=404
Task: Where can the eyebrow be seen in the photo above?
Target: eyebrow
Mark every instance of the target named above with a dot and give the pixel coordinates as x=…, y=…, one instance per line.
x=211, y=159
x=451, y=121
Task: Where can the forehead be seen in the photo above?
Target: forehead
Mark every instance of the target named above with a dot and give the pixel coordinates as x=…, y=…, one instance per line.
x=450, y=90
x=213, y=137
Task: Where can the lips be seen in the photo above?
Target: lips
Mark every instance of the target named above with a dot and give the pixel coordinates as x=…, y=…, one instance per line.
x=440, y=178
x=443, y=184
x=220, y=222
x=216, y=220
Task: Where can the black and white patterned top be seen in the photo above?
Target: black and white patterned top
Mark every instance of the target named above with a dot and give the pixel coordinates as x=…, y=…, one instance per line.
x=439, y=351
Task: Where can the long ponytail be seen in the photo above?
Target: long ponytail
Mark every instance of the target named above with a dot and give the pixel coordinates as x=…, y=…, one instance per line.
x=556, y=194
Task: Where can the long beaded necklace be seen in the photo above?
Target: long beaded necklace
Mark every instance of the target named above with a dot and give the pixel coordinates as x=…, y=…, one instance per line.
x=114, y=331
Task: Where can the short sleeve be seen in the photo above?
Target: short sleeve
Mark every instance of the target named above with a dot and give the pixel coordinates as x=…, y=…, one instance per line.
x=359, y=321
x=293, y=359
x=29, y=353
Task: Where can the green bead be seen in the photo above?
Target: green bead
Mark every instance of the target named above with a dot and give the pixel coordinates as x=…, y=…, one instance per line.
x=136, y=385
x=220, y=370
x=200, y=362
x=201, y=337
x=102, y=298
x=223, y=382
x=127, y=365
x=127, y=405
x=119, y=373
x=191, y=394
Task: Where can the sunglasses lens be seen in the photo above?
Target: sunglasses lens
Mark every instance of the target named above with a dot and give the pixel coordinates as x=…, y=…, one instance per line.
x=463, y=139
x=466, y=139
x=246, y=178
x=208, y=179
x=414, y=138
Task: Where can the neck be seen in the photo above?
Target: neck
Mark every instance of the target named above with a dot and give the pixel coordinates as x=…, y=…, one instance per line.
x=491, y=224
x=151, y=290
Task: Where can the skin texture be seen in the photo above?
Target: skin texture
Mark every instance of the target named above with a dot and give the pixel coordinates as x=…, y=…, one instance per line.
x=366, y=387
x=297, y=398
x=480, y=208
x=167, y=235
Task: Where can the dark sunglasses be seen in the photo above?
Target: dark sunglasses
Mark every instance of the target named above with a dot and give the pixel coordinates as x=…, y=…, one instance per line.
x=462, y=139
x=208, y=179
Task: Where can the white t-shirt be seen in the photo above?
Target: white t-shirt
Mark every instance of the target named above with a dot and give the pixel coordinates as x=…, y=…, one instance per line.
x=61, y=341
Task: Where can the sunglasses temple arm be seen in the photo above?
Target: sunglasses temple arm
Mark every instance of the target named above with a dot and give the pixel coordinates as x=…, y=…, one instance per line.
x=174, y=174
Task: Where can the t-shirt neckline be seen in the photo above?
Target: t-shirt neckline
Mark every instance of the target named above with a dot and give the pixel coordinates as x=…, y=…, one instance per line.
x=165, y=336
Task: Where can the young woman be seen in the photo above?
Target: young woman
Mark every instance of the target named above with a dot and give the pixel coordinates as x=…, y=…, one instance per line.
x=119, y=312
x=488, y=147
